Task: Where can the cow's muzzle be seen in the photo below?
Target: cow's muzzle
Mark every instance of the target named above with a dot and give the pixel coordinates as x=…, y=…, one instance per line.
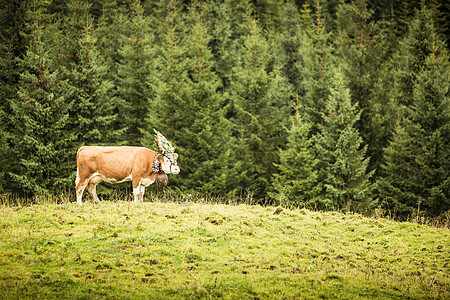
x=174, y=169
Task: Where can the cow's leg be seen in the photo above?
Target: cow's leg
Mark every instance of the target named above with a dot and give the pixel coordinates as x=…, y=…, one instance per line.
x=80, y=185
x=80, y=189
x=142, y=193
x=138, y=191
x=92, y=189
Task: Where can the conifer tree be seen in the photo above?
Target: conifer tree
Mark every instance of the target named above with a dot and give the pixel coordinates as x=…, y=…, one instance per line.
x=107, y=37
x=415, y=170
x=237, y=12
x=260, y=111
x=92, y=109
x=404, y=14
x=413, y=51
x=218, y=17
x=315, y=65
x=13, y=19
x=295, y=183
x=342, y=168
x=330, y=10
x=187, y=106
x=286, y=45
x=170, y=100
x=208, y=137
x=108, y=40
x=135, y=73
x=42, y=142
x=361, y=48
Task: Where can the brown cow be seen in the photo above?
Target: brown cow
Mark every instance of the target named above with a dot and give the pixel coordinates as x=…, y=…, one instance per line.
x=120, y=164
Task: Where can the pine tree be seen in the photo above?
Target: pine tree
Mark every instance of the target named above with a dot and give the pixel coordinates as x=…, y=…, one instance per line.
x=135, y=73
x=268, y=13
x=342, y=168
x=187, y=106
x=167, y=113
x=415, y=171
x=260, y=111
x=315, y=65
x=207, y=139
x=237, y=11
x=413, y=51
x=108, y=40
x=218, y=18
x=13, y=19
x=42, y=143
x=92, y=109
x=296, y=182
x=286, y=45
x=362, y=50
x=402, y=13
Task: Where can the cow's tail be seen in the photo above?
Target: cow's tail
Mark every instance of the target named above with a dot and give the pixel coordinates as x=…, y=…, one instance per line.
x=77, y=179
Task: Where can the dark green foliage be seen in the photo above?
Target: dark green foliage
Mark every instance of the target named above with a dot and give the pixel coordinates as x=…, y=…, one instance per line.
x=221, y=43
x=286, y=46
x=295, y=183
x=187, y=106
x=170, y=112
x=135, y=74
x=41, y=139
x=221, y=79
x=92, y=109
x=108, y=38
x=415, y=172
x=362, y=50
x=342, y=167
x=315, y=65
x=13, y=18
x=259, y=107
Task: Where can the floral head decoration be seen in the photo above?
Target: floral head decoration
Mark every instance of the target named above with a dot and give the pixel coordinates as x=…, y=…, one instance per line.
x=166, y=147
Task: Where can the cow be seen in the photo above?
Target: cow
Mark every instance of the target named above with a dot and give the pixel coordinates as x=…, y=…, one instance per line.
x=119, y=164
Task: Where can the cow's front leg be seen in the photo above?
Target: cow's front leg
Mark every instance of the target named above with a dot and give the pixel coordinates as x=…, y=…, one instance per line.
x=138, y=191
x=142, y=193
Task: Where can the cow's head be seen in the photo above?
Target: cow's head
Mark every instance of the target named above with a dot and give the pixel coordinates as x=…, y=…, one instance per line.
x=169, y=163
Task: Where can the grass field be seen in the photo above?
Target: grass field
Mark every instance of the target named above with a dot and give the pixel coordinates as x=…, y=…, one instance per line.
x=163, y=250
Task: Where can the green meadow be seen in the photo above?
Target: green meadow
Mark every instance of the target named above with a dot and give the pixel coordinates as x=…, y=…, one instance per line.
x=187, y=250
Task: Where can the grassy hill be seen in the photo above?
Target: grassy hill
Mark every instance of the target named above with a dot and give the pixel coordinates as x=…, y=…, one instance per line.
x=160, y=250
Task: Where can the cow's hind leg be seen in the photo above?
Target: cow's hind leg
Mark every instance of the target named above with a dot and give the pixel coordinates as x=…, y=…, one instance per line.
x=81, y=182
x=80, y=186
x=92, y=189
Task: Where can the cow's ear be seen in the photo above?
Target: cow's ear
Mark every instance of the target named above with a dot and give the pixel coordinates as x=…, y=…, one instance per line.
x=175, y=155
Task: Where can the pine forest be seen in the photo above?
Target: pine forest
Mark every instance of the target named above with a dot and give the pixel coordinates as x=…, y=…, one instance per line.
x=324, y=104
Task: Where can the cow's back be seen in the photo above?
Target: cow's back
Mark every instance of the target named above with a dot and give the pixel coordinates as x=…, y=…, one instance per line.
x=113, y=162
